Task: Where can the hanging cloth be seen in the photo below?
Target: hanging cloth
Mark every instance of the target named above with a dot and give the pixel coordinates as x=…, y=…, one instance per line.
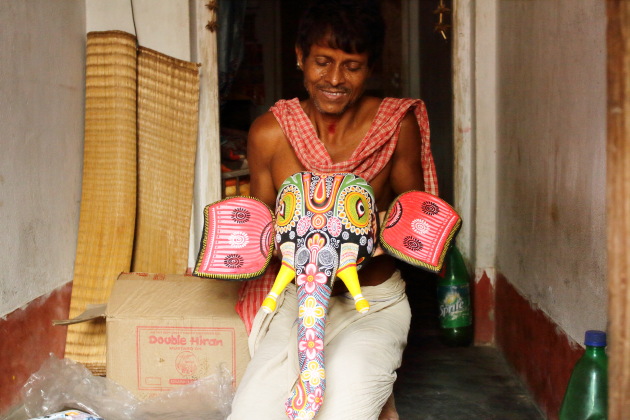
x=375, y=149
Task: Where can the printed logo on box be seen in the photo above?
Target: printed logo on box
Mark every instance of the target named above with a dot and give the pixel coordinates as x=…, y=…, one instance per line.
x=174, y=356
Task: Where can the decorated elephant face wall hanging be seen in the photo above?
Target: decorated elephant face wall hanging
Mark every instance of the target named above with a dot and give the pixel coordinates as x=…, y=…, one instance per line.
x=325, y=226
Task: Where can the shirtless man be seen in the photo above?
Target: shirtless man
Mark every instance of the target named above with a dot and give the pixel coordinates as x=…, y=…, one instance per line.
x=336, y=50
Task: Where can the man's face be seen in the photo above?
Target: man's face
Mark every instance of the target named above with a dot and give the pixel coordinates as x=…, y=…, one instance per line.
x=334, y=79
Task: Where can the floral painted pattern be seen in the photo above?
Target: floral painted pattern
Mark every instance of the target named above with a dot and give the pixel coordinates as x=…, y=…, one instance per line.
x=420, y=226
x=310, y=278
x=313, y=373
x=238, y=239
x=334, y=226
x=305, y=415
x=311, y=344
x=316, y=399
x=303, y=225
x=311, y=311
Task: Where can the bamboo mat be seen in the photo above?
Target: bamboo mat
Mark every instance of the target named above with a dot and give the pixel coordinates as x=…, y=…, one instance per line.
x=141, y=118
x=108, y=198
x=168, y=101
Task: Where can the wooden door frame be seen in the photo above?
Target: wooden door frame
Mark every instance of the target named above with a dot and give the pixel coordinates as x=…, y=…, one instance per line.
x=410, y=16
x=207, y=188
x=618, y=211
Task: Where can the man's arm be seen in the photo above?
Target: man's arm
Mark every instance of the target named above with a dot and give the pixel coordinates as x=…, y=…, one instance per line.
x=261, y=146
x=406, y=173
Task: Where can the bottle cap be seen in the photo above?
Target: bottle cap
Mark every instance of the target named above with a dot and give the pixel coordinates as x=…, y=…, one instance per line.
x=595, y=338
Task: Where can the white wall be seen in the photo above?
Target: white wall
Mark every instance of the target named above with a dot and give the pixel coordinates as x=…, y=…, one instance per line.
x=551, y=225
x=42, y=66
x=162, y=25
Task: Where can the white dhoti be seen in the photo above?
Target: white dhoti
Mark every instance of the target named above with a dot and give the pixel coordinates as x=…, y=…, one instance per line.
x=362, y=353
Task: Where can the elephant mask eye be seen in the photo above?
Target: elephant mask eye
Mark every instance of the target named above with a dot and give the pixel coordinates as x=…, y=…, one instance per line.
x=357, y=209
x=286, y=208
x=360, y=209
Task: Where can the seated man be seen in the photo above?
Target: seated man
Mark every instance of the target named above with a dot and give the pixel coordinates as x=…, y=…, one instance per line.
x=337, y=129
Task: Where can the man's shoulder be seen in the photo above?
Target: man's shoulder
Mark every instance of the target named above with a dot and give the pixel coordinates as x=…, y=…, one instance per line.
x=265, y=118
x=373, y=104
x=265, y=125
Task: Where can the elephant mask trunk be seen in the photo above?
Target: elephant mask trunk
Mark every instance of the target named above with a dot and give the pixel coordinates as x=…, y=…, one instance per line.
x=308, y=392
x=314, y=288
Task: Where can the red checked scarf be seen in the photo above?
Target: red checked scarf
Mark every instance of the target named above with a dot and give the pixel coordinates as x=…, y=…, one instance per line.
x=368, y=159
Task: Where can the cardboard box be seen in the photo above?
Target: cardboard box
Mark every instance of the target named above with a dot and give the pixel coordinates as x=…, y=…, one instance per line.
x=165, y=331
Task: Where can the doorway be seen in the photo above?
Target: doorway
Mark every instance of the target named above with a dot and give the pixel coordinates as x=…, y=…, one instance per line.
x=267, y=72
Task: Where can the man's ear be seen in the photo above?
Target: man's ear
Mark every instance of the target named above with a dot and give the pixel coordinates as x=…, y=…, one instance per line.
x=299, y=54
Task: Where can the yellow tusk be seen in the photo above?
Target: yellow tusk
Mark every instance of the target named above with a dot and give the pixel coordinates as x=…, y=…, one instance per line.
x=350, y=277
x=284, y=277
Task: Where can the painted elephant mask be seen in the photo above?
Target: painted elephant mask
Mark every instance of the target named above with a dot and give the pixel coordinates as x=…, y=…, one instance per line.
x=326, y=226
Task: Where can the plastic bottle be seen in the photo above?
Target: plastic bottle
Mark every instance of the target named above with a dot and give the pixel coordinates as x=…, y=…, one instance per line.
x=586, y=397
x=453, y=293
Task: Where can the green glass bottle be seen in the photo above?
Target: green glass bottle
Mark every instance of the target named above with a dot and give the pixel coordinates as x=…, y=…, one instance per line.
x=586, y=397
x=453, y=293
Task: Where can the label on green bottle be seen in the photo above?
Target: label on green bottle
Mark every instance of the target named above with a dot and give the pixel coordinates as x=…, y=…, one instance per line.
x=454, y=304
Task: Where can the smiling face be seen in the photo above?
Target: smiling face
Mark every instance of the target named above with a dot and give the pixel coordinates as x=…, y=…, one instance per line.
x=334, y=79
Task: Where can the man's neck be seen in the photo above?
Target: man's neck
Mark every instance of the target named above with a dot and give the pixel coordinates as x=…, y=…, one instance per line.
x=332, y=128
x=342, y=134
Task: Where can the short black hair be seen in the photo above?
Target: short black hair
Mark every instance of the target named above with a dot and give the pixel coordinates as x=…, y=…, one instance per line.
x=353, y=26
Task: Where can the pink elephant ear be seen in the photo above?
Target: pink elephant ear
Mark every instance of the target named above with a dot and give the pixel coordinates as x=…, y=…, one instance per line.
x=419, y=228
x=237, y=241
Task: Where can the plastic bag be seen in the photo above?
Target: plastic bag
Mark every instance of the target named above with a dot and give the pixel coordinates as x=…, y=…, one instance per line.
x=62, y=383
x=73, y=414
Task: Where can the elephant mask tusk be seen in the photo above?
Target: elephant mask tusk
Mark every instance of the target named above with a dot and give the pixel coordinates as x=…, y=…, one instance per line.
x=350, y=276
x=284, y=277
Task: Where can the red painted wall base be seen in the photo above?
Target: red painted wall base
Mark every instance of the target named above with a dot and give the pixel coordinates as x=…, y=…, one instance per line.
x=483, y=307
x=535, y=346
x=27, y=339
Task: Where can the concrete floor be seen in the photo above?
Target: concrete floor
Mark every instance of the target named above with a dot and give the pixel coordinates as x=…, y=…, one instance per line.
x=437, y=382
